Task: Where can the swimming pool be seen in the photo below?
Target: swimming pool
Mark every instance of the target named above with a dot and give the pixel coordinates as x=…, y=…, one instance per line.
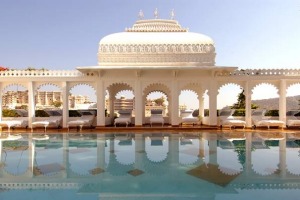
x=187, y=165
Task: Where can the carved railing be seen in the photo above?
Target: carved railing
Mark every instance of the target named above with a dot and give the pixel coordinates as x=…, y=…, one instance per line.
x=262, y=72
x=44, y=73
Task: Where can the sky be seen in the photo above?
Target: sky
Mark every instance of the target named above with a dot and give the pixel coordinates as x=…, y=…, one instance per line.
x=64, y=34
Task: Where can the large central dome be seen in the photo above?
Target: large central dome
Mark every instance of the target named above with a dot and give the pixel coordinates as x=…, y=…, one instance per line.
x=156, y=42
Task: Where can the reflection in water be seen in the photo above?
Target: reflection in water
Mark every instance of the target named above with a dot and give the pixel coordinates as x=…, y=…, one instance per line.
x=154, y=165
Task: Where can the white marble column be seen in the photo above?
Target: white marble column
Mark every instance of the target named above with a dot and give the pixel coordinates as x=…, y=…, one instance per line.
x=111, y=107
x=101, y=140
x=138, y=98
x=248, y=93
x=282, y=101
x=175, y=104
x=65, y=163
x=201, y=106
x=213, y=92
x=31, y=103
x=248, y=162
x=100, y=103
x=31, y=155
x=213, y=154
x=139, y=151
x=65, y=97
x=282, y=157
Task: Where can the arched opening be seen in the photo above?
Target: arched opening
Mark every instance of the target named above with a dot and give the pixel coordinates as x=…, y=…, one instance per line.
x=15, y=104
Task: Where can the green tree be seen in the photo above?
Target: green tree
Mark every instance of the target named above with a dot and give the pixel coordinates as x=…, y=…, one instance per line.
x=57, y=104
x=160, y=101
x=241, y=102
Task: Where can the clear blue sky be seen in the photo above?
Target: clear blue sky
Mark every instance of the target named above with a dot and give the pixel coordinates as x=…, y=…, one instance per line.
x=64, y=34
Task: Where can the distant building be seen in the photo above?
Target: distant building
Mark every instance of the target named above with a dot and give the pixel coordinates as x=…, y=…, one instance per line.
x=43, y=99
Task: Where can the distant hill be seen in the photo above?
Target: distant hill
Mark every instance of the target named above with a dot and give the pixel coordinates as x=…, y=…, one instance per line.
x=292, y=103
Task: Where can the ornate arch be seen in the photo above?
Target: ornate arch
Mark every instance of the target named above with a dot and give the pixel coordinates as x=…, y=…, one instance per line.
x=157, y=87
x=114, y=88
x=264, y=83
x=73, y=85
x=5, y=86
x=38, y=86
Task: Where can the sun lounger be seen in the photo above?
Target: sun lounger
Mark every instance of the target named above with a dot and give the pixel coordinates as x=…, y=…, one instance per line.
x=156, y=117
x=83, y=121
x=259, y=120
x=292, y=120
x=226, y=119
x=14, y=122
x=124, y=118
x=188, y=118
x=52, y=121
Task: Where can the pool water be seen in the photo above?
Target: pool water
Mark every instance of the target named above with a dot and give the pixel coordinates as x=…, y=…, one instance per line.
x=187, y=165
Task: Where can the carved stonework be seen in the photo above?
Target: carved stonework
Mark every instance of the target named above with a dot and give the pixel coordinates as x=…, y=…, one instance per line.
x=153, y=59
x=156, y=25
x=157, y=48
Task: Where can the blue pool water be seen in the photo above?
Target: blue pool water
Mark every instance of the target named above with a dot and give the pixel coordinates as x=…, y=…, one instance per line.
x=205, y=165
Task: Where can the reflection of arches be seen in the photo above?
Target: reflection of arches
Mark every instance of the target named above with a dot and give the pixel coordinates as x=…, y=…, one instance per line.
x=228, y=158
x=155, y=144
x=270, y=160
x=188, y=151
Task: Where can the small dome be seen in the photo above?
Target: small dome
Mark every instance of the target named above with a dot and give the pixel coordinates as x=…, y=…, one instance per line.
x=156, y=42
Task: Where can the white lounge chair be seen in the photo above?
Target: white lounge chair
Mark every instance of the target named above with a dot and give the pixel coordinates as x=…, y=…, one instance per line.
x=259, y=120
x=52, y=121
x=188, y=118
x=156, y=117
x=124, y=118
x=226, y=119
x=292, y=120
x=83, y=121
x=21, y=122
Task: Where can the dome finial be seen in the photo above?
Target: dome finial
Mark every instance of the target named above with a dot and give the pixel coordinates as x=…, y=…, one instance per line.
x=156, y=13
x=141, y=15
x=172, y=14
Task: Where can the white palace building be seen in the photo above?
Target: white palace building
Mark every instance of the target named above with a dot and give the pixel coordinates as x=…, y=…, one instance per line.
x=153, y=55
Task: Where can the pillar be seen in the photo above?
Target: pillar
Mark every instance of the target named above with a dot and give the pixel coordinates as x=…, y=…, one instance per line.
x=138, y=98
x=213, y=154
x=65, y=97
x=101, y=140
x=111, y=106
x=213, y=92
x=282, y=157
x=139, y=151
x=282, y=100
x=65, y=163
x=31, y=103
x=175, y=104
x=100, y=103
x=248, y=93
x=248, y=162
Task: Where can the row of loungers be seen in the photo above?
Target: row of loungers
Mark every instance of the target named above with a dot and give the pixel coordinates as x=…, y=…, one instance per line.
x=226, y=119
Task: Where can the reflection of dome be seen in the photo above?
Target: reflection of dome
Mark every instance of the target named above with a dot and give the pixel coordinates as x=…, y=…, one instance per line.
x=156, y=42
